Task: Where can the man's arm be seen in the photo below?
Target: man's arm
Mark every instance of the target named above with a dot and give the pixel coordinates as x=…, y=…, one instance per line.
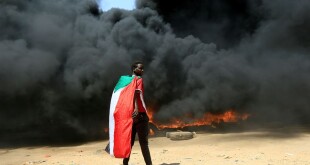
x=140, y=94
x=136, y=110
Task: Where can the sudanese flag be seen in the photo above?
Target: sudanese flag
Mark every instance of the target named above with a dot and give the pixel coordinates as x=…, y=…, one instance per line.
x=120, y=119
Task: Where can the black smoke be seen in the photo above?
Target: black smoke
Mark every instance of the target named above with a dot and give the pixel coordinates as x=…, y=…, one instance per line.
x=61, y=59
x=249, y=55
x=223, y=22
x=59, y=64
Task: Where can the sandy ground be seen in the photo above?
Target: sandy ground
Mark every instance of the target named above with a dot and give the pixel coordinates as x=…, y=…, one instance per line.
x=245, y=148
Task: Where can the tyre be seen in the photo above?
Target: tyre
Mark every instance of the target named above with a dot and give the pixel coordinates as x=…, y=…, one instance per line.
x=180, y=135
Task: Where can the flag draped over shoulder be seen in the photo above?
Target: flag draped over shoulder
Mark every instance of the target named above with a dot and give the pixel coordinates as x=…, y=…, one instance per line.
x=120, y=120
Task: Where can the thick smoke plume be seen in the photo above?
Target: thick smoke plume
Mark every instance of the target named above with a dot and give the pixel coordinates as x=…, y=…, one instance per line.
x=223, y=22
x=252, y=56
x=61, y=59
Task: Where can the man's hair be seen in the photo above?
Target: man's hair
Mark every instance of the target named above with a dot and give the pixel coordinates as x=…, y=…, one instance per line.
x=135, y=65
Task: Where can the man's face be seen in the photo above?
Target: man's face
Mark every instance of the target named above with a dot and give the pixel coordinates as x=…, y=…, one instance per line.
x=138, y=70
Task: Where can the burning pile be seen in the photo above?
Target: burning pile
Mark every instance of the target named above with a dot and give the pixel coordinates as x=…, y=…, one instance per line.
x=207, y=119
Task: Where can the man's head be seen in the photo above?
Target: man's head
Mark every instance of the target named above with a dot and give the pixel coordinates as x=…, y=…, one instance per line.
x=137, y=68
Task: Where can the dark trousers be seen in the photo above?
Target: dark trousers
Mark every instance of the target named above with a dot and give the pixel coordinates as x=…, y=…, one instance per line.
x=140, y=126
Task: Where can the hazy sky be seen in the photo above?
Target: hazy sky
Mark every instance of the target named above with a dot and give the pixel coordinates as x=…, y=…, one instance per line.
x=124, y=4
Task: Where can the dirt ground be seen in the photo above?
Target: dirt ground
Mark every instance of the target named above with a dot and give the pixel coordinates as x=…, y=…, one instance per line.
x=245, y=148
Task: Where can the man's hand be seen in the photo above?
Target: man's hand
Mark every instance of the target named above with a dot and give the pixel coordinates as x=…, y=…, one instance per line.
x=135, y=113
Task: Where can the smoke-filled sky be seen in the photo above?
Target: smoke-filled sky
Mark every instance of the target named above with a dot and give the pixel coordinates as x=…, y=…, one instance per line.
x=60, y=60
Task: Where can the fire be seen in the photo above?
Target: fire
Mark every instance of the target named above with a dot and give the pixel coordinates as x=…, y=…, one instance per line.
x=207, y=119
x=106, y=130
x=151, y=132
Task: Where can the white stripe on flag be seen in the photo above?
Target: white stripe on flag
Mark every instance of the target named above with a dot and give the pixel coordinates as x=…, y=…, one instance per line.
x=114, y=100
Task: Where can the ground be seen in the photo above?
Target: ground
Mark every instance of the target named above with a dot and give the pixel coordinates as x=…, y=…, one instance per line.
x=241, y=148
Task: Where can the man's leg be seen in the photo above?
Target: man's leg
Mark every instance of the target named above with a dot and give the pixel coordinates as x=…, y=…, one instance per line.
x=143, y=132
x=133, y=135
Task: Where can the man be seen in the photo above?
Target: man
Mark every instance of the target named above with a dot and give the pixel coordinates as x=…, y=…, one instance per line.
x=128, y=116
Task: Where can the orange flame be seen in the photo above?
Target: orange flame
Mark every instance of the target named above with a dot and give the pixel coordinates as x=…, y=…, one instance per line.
x=106, y=130
x=151, y=132
x=207, y=119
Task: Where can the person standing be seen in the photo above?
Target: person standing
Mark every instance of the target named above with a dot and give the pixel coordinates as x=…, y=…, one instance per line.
x=128, y=116
x=141, y=120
